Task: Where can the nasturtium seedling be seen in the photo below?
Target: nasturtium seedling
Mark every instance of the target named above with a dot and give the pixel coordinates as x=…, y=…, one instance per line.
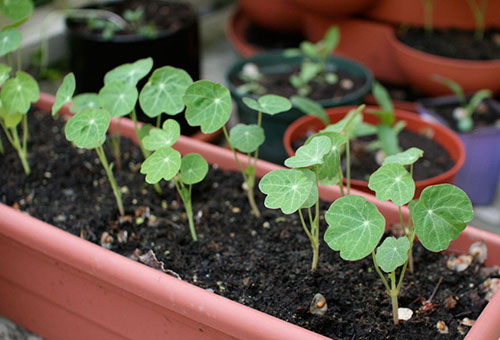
x=16, y=9
x=406, y=157
x=65, y=92
x=441, y=215
x=314, y=193
x=164, y=163
x=208, y=105
x=311, y=153
x=270, y=104
x=246, y=138
x=166, y=136
x=355, y=227
x=392, y=253
x=10, y=120
x=19, y=92
x=194, y=168
x=164, y=91
x=118, y=97
x=130, y=73
x=310, y=107
x=392, y=182
x=85, y=101
x=10, y=40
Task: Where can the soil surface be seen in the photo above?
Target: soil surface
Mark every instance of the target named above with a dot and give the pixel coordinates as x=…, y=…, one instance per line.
x=453, y=43
x=269, y=39
x=485, y=115
x=263, y=263
x=434, y=162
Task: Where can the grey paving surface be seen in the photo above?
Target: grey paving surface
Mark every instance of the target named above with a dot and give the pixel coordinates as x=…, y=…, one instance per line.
x=11, y=331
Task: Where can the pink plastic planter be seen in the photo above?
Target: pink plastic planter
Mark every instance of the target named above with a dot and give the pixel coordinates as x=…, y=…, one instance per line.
x=62, y=287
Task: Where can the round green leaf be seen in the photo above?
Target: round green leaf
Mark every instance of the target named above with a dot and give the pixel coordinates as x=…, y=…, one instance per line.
x=246, y=138
x=406, y=157
x=311, y=153
x=310, y=107
x=392, y=253
x=392, y=182
x=441, y=215
x=11, y=119
x=18, y=93
x=194, y=168
x=286, y=189
x=87, y=129
x=162, y=164
x=16, y=9
x=329, y=170
x=10, y=40
x=164, y=91
x=314, y=194
x=208, y=105
x=130, y=73
x=64, y=93
x=355, y=227
x=85, y=101
x=4, y=73
x=273, y=104
x=166, y=136
x=118, y=97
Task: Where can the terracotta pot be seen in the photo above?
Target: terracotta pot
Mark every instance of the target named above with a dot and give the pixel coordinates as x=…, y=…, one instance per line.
x=447, y=13
x=334, y=8
x=442, y=135
x=279, y=15
x=63, y=287
x=420, y=67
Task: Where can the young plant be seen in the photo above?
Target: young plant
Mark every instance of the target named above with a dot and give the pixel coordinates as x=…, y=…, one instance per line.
x=463, y=114
x=356, y=226
x=428, y=13
x=314, y=63
x=87, y=129
x=166, y=163
x=251, y=76
x=479, y=11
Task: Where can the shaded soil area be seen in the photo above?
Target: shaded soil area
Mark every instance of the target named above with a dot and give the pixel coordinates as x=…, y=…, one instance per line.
x=260, y=262
x=453, y=43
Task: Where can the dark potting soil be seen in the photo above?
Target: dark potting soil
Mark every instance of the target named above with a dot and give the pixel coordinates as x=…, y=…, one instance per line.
x=269, y=39
x=260, y=262
x=434, y=162
x=163, y=15
x=402, y=92
x=485, y=115
x=453, y=43
x=280, y=84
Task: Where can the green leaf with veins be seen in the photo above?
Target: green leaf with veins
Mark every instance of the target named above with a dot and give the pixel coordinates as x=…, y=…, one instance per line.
x=270, y=104
x=355, y=227
x=310, y=107
x=64, y=93
x=392, y=253
x=331, y=40
x=383, y=99
x=118, y=97
x=314, y=193
x=166, y=136
x=130, y=73
x=286, y=189
x=87, y=129
x=392, y=182
x=349, y=124
x=412, y=205
x=246, y=138
x=208, y=105
x=164, y=91
x=144, y=131
x=406, y=157
x=194, y=168
x=329, y=170
x=164, y=164
x=16, y=9
x=85, y=101
x=311, y=153
x=4, y=73
x=441, y=215
x=10, y=40
x=19, y=92
x=10, y=119
x=388, y=139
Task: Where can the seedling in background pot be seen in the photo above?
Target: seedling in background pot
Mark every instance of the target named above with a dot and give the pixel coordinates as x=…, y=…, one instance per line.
x=479, y=11
x=166, y=163
x=428, y=14
x=356, y=226
x=463, y=114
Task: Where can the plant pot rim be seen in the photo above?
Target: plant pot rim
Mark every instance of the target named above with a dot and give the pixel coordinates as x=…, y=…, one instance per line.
x=404, y=115
x=134, y=282
x=130, y=38
x=278, y=54
x=235, y=28
x=402, y=48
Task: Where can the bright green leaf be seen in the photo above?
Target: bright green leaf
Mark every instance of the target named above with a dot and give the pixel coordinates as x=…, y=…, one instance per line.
x=87, y=129
x=270, y=104
x=162, y=164
x=286, y=189
x=164, y=91
x=194, y=168
x=406, y=157
x=18, y=93
x=64, y=93
x=453, y=86
x=10, y=40
x=118, y=97
x=85, y=101
x=311, y=153
x=441, y=215
x=355, y=227
x=331, y=40
x=4, y=73
x=383, y=99
x=392, y=253
x=208, y=105
x=11, y=119
x=388, y=139
x=164, y=137
x=130, y=73
x=314, y=193
x=392, y=182
x=329, y=170
x=310, y=107
x=16, y=9
x=144, y=131
x=246, y=138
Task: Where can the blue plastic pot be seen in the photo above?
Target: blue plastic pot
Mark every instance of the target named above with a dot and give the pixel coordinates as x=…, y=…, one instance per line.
x=274, y=126
x=481, y=170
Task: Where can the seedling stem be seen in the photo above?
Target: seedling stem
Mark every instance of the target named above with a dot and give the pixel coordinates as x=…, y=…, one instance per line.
x=111, y=177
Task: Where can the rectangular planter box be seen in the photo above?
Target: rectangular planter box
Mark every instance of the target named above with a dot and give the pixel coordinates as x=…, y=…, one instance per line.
x=62, y=287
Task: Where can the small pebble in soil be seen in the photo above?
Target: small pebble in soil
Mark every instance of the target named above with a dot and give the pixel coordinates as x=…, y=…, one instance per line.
x=479, y=251
x=404, y=314
x=460, y=263
x=346, y=84
x=318, y=305
x=441, y=327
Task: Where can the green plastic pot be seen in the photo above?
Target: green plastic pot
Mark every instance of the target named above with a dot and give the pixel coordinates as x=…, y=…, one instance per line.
x=274, y=62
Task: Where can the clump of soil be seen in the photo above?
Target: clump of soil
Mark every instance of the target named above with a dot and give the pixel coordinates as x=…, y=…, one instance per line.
x=260, y=262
